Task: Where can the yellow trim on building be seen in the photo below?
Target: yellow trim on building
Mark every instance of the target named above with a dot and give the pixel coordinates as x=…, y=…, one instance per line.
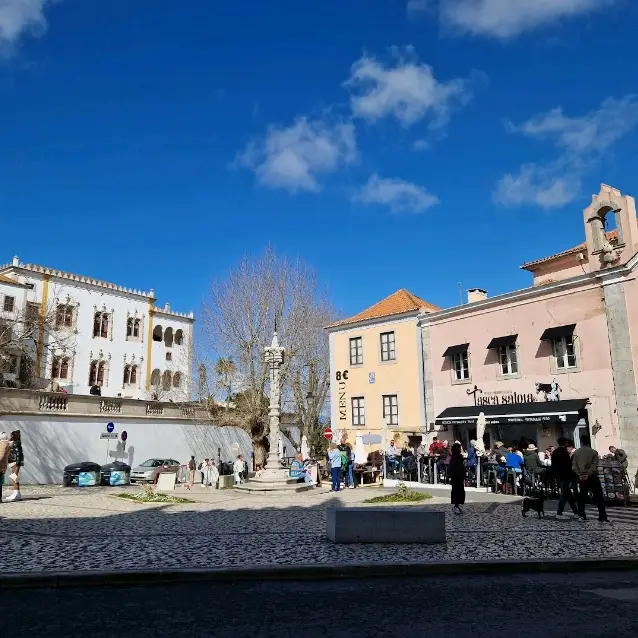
x=43, y=317
x=149, y=346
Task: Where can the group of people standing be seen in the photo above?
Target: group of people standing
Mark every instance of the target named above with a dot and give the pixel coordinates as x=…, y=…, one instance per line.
x=341, y=463
x=11, y=458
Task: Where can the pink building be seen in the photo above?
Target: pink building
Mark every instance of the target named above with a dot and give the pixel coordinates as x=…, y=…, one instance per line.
x=554, y=359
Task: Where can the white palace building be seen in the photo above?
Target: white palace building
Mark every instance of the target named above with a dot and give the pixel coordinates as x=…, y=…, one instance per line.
x=108, y=335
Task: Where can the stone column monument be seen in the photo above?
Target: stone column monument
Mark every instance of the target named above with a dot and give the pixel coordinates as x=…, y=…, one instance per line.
x=274, y=477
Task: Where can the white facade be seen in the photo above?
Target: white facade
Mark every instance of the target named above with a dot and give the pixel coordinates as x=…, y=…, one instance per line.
x=105, y=334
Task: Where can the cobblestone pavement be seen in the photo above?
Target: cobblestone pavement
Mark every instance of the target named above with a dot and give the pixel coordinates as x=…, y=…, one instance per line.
x=56, y=529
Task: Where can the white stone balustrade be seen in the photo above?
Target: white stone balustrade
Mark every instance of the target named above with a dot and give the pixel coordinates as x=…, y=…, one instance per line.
x=36, y=402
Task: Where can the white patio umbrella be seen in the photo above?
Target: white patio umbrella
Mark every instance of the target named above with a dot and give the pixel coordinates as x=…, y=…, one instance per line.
x=305, y=452
x=480, y=431
x=360, y=454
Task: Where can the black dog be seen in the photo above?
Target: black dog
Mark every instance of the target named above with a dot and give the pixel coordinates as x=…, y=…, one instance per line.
x=537, y=504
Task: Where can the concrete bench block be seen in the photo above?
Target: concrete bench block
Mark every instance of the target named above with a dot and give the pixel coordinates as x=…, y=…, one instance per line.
x=385, y=525
x=226, y=480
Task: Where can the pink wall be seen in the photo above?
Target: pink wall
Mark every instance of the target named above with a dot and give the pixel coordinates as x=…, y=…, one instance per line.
x=631, y=299
x=528, y=319
x=558, y=270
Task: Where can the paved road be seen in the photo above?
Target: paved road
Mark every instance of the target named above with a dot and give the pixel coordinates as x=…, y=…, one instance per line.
x=584, y=605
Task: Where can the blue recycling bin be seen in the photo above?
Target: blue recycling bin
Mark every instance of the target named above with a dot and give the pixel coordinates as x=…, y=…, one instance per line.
x=84, y=474
x=116, y=473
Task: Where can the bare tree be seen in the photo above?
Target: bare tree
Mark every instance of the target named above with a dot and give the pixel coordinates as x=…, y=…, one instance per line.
x=29, y=338
x=239, y=319
x=226, y=372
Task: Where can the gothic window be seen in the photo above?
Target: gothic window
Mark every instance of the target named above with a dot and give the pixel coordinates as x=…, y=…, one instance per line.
x=179, y=337
x=101, y=325
x=166, y=380
x=64, y=316
x=60, y=368
x=177, y=380
x=168, y=337
x=157, y=333
x=96, y=372
x=155, y=377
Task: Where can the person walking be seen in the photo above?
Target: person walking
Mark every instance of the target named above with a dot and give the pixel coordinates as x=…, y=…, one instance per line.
x=192, y=468
x=561, y=469
x=456, y=476
x=585, y=462
x=5, y=450
x=16, y=462
x=238, y=469
x=334, y=458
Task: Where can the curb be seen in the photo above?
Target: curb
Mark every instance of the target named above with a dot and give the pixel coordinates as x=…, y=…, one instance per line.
x=309, y=572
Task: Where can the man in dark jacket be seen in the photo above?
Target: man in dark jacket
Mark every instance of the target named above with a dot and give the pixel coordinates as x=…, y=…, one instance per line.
x=563, y=472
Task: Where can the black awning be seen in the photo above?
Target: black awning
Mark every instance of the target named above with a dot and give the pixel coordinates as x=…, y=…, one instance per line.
x=500, y=342
x=452, y=350
x=535, y=412
x=558, y=332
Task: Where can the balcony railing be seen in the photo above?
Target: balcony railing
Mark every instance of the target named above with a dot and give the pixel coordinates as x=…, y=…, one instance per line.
x=53, y=402
x=15, y=401
x=111, y=406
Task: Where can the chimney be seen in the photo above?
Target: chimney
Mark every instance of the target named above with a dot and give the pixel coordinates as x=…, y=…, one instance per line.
x=476, y=294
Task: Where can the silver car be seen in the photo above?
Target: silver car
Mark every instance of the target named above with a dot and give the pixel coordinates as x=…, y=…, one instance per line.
x=147, y=472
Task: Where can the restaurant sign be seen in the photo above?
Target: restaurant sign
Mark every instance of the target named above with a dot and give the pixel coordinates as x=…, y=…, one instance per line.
x=504, y=397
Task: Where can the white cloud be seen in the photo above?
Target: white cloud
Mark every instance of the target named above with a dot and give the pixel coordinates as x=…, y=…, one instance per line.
x=596, y=130
x=20, y=16
x=417, y=7
x=546, y=187
x=506, y=18
x=406, y=90
x=580, y=141
x=293, y=158
x=400, y=195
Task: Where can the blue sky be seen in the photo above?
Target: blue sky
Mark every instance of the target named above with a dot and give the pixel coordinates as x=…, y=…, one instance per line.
x=390, y=143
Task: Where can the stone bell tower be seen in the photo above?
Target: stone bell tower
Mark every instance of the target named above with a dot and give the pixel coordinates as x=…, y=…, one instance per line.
x=610, y=248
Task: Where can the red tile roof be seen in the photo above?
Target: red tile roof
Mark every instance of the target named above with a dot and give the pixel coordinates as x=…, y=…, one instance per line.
x=612, y=235
x=397, y=303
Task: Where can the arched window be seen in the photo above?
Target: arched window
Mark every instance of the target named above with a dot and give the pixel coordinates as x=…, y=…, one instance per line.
x=129, y=327
x=179, y=337
x=127, y=375
x=166, y=380
x=136, y=327
x=60, y=368
x=168, y=337
x=157, y=333
x=177, y=380
x=155, y=377
x=133, y=375
x=101, y=325
x=96, y=372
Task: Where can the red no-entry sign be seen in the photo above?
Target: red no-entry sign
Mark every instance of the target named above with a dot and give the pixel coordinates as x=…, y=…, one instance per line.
x=327, y=433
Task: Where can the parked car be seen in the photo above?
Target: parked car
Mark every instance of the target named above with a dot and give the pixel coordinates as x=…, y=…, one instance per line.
x=147, y=471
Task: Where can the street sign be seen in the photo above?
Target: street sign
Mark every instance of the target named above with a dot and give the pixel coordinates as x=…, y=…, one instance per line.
x=327, y=433
x=110, y=427
x=108, y=435
x=124, y=435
